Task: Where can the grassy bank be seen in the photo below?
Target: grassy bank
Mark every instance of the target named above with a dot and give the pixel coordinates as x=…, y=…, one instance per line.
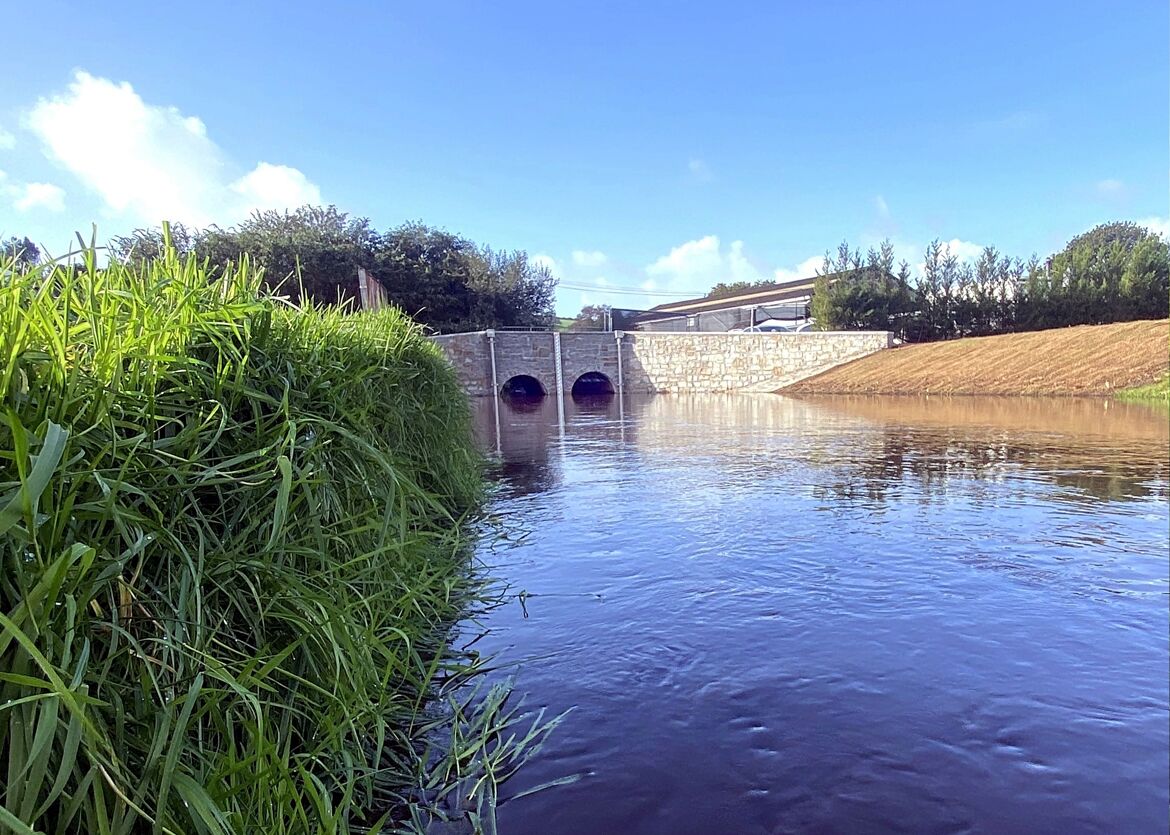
x=1085, y=360
x=232, y=541
x=1158, y=392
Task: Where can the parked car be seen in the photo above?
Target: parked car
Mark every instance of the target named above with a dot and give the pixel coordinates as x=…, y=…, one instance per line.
x=768, y=329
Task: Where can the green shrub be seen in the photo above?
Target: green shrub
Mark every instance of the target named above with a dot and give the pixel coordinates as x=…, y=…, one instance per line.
x=231, y=543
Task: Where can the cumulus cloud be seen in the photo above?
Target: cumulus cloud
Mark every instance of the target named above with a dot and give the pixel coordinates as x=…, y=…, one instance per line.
x=27, y=196
x=689, y=269
x=1158, y=225
x=39, y=196
x=547, y=261
x=807, y=268
x=584, y=258
x=963, y=250
x=692, y=261
x=702, y=263
x=7, y=140
x=152, y=162
x=695, y=266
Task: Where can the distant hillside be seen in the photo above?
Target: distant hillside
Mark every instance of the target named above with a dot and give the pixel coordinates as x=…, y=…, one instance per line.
x=1085, y=360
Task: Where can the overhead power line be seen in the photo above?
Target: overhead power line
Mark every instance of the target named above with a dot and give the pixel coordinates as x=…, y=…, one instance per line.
x=634, y=291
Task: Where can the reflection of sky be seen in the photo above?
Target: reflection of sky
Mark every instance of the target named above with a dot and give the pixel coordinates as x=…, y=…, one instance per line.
x=838, y=614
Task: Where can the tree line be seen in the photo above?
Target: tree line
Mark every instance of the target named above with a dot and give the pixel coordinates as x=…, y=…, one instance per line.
x=1112, y=273
x=441, y=279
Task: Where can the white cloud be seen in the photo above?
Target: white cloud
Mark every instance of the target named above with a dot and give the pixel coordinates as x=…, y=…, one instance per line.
x=689, y=269
x=883, y=208
x=701, y=264
x=275, y=186
x=583, y=258
x=152, y=162
x=697, y=263
x=39, y=195
x=694, y=267
x=547, y=261
x=28, y=196
x=700, y=170
x=807, y=268
x=1158, y=225
x=963, y=250
x=7, y=140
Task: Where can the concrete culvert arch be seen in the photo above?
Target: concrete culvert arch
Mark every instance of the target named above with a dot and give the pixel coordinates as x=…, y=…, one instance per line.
x=592, y=384
x=523, y=387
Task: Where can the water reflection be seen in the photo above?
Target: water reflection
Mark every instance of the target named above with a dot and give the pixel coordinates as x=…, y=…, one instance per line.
x=864, y=446
x=839, y=614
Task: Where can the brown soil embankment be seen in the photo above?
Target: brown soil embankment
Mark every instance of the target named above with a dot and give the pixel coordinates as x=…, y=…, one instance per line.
x=1085, y=360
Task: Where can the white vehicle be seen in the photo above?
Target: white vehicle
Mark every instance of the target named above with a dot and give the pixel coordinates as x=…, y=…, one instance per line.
x=768, y=329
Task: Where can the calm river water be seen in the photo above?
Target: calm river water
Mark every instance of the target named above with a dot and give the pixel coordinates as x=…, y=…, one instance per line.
x=837, y=615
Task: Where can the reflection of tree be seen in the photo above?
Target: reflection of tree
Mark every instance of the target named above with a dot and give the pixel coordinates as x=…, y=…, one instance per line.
x=860, y=451
x=931, y=459
x=524, y=477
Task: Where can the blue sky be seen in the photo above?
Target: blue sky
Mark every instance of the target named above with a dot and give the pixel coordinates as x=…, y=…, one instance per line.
x=655, y=146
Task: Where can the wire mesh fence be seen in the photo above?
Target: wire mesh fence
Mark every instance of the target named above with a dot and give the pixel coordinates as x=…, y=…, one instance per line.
x=730, y=319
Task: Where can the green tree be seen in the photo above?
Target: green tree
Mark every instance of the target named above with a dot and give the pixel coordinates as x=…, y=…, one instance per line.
x=724, y=289
x=448, y=283
x=1114, y=272
x=21, y=250
x=313, y=252
x=593, y=317
x=442, y=280
x=861, y=293
x=146, y=245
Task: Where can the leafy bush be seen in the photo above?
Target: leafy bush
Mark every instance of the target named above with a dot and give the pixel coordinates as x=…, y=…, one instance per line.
x=231, y=542
x=442, y=280
x=1116, y=272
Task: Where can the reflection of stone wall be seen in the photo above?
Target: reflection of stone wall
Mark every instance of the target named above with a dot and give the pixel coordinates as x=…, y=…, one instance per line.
x=657, y=362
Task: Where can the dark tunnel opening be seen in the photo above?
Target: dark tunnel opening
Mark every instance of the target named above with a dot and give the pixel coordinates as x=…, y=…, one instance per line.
x=592, y=384
x=522, y=387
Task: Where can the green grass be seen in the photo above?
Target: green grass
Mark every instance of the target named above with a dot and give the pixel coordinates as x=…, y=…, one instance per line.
x=233, y=537
x=1155, y=392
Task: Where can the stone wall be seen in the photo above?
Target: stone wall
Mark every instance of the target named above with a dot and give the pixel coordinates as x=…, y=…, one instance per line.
x=713, y=362
x=656, y=362
x=469, y=356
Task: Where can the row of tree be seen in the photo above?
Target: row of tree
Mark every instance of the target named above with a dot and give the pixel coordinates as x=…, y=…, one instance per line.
x=1112, y=273
x=444, y=281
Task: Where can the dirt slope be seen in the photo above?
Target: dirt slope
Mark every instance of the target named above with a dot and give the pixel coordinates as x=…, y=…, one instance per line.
x=1085, y=360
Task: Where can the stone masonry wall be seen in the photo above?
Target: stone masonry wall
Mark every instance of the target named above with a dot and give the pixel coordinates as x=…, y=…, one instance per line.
x=468, y=355
x=657, y=362
x=714, y=362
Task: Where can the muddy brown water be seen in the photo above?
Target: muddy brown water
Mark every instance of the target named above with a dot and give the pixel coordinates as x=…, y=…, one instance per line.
x=849, y=614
